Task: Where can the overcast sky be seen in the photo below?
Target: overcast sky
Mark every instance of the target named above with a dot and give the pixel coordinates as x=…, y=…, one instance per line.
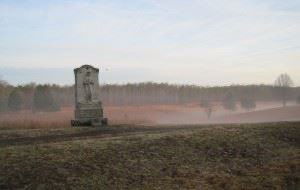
x=203, y=42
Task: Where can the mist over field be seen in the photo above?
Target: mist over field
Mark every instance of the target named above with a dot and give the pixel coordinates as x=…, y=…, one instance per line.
x=155, y=103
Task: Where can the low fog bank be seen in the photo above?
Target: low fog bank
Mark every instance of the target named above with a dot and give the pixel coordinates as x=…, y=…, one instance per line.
x=193, y=114
x=278, y=114
x=157, y=115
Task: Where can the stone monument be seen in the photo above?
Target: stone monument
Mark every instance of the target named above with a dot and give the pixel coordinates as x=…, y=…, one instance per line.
x=88, y=107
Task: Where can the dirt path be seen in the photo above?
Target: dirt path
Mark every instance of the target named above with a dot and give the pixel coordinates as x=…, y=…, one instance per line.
x=93, y=133
x=107, y=132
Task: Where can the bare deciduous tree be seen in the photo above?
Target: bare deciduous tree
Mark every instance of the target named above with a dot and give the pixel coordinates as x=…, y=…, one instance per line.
x=283, y=83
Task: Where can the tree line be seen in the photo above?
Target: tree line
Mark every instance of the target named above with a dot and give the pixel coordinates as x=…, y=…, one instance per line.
x=51, y=97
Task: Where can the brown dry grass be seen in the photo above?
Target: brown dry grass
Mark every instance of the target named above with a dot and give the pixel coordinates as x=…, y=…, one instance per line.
x=256, y=156
x=153, y=114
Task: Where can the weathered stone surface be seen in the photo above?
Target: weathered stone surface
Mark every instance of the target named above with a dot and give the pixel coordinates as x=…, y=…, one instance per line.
x=88, y=107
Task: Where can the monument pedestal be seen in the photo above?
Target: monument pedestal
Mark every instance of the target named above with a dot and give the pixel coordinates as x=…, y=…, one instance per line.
x=89, y=114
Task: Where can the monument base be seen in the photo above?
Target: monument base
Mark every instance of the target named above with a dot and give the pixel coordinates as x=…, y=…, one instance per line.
x=89, y=114
x=89, y=122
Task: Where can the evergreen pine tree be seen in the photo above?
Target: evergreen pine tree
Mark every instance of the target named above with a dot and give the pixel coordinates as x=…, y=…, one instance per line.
x=43, y=99
x=14, y=101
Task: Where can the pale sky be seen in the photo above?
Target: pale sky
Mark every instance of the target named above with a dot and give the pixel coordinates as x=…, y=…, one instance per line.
x=203, y=42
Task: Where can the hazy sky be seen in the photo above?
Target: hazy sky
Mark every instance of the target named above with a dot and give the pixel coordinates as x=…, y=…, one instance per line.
x=204, y=42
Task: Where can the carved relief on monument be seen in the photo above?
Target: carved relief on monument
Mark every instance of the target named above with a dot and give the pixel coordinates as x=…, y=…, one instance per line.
x=87, y=84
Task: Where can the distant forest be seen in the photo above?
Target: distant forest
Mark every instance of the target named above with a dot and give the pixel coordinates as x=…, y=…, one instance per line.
x=32, y=96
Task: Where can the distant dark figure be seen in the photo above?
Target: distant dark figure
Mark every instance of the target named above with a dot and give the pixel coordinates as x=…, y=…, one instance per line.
x=207, y=106
x=208, y=112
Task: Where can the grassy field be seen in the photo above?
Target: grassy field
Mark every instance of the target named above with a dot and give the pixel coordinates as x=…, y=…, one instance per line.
x=248, y=156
